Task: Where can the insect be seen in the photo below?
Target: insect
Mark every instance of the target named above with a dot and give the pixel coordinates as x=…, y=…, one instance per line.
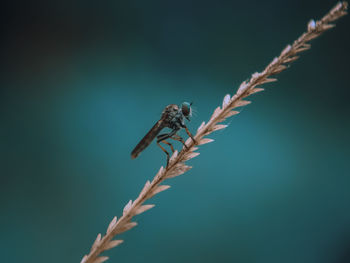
x=173, y=117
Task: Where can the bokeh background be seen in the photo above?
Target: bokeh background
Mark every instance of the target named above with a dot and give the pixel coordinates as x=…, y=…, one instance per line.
x=83, y=81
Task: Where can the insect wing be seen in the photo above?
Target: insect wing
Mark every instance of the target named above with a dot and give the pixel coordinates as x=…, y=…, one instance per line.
x=147, y=139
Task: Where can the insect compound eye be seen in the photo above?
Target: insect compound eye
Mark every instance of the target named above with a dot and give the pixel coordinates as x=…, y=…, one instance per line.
x=186, y=108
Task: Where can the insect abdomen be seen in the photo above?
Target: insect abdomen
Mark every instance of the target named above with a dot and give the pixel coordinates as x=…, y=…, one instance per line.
x=149, y=137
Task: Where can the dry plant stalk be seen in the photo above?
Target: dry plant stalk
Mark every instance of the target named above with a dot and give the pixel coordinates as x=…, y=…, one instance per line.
x=177, y=164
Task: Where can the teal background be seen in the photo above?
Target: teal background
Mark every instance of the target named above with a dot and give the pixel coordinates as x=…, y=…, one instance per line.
x=83, y=81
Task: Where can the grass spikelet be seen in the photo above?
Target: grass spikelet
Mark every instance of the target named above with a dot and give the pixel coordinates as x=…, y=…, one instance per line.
x=143, y=208
x=111, y=224
x=125, y=227
x=158, y=189
x=113, y=244
x=216, y=112
x=291, y=59
x=231, y=113
x=242, y=103
x=190, y=155
x=127, y=207
x=97, y=241
x=178, y=170
x=226, y=100
x=193, y=149
x=101, y=259
x=201, y=126
x=256, y=90
x=146, y=187
x=219, y=127
x=173, y=157
x=205, y=141
x=177, y=166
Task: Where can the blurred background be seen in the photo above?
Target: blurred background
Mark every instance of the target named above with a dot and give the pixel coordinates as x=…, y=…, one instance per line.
x=83, y=81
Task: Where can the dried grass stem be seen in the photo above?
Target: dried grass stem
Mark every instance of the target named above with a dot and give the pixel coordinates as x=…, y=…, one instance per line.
x=177, y=164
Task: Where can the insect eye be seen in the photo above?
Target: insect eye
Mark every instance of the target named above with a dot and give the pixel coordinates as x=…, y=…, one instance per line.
x=186, y=108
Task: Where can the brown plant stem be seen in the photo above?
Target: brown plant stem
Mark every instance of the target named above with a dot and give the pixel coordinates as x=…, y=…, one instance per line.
x=177, y=164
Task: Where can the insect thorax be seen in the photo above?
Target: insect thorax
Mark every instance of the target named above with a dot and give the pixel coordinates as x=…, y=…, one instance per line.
x=177, y=122
x=173, y=117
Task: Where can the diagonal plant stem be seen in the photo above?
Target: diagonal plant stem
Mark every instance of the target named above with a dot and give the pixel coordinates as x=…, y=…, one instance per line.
x=177, y=164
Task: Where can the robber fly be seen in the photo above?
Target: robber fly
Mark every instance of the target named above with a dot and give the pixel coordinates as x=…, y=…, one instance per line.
x=173, y=117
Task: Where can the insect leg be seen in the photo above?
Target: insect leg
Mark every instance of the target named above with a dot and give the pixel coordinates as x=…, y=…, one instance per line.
x=162, y=138
x=168, y=143
x=189, y=134
x=167, y=154
x=165, y=136
x=179, y=138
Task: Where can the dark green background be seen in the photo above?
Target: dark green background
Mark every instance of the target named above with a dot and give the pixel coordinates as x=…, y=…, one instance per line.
x=83, y=81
